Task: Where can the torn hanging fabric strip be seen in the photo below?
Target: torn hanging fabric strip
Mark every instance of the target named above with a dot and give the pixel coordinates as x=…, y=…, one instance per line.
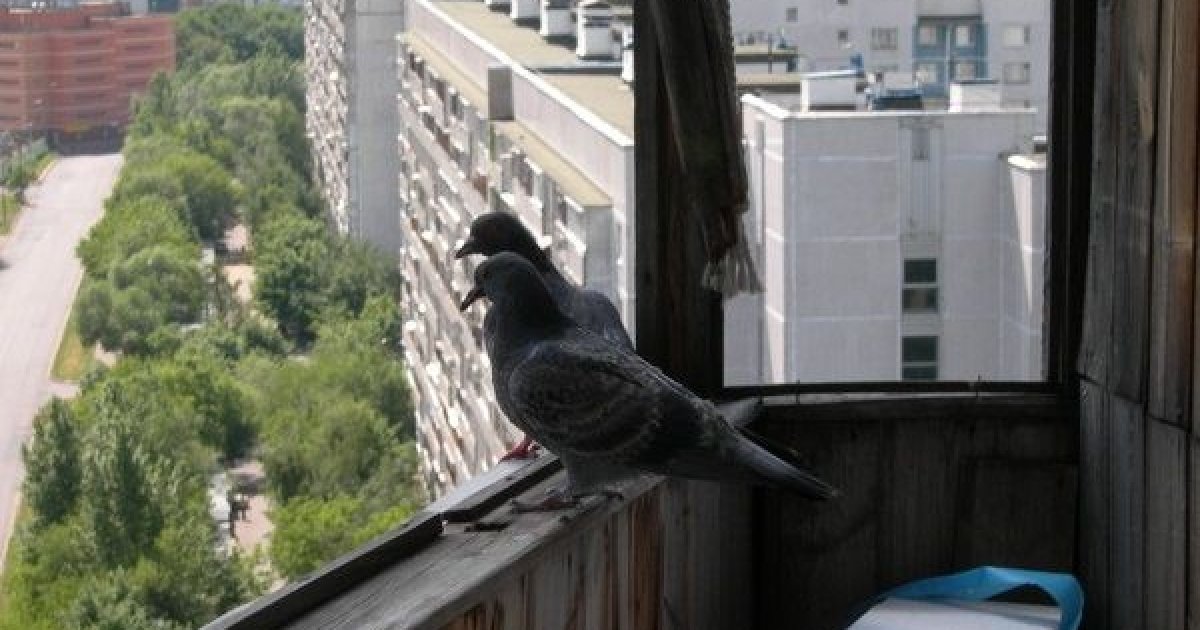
x=695, y=44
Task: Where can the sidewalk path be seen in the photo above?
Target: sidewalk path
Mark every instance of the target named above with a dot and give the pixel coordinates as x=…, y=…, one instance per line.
x=38, y=278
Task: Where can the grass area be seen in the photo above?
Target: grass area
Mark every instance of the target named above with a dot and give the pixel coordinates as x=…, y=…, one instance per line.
x=23, y=516
x=9, y=209
x=43, y=163
x=73, y=359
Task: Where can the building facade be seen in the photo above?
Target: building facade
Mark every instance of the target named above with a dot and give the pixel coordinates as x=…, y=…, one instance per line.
x=498, y=114
x=936, y=41
x=351, y=117
x=894, y=245
x=71, y=73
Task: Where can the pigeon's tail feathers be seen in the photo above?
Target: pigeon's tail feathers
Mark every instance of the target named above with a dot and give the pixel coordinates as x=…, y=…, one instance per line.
x=776, y=471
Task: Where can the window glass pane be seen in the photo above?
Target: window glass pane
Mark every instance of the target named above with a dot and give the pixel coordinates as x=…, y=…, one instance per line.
x=921, y=215
x=920, y=300
x=927, y=35
x=964, y=36
x=920, y=373
x=919, y=349
x=921, y=270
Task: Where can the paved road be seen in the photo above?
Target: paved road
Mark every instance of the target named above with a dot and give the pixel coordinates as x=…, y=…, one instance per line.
x=38, y=277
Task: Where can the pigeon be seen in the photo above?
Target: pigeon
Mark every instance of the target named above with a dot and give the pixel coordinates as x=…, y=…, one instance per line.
x=494, y=232
x=607, y=413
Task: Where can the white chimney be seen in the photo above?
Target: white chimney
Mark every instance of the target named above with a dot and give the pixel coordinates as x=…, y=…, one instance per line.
x=627, y=54
x=523, y=10
x=556, y=18
x=593, y=32
x=974, y=95
x=828, y=93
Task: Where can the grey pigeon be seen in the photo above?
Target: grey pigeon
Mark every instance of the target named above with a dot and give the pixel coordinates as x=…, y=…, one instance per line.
x=495, y=232
x=605, y=411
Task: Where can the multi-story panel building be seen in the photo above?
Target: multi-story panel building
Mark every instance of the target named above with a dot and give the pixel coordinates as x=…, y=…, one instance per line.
x=496, y=113
x=71, y=73
x=351, y=119
x=893, y=245
x=937, y=41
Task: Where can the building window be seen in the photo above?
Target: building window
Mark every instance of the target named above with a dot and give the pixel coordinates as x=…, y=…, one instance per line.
x=964, y=36
x=1016, y=73
x=843, y=2
x=1016, y=36
x=920, y=144
x=920, y=293
x=965, y=70
x=792, y=14
x=919, y=358
x=927, y=36
x=884, y=38
x=843, y=37
x=927, y=73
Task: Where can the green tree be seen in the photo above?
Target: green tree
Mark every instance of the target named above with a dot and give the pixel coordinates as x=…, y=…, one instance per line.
x=310, y=532
x=289, y=258
x=131, y=226
x=118, y=513
x=52, y=470
x=111, y=603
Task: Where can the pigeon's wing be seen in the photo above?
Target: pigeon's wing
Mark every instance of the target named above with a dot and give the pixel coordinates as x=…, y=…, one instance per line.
x=586, y=397
x=599, y=315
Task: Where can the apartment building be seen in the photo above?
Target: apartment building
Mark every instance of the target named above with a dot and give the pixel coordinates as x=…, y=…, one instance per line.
x=936, y=41
x=516, y=108
x=893, y=245
x=351, y=116
x=70, y=73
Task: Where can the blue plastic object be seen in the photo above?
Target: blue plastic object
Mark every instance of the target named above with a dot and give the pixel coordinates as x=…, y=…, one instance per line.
x=988, y=582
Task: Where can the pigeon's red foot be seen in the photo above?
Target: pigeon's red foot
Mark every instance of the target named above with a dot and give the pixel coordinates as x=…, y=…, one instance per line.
x=525, y=449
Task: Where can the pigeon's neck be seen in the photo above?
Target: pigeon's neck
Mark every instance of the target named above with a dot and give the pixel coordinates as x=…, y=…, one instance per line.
x=540, y=260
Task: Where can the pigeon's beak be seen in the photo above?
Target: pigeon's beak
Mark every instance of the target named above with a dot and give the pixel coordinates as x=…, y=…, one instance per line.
x=466, y=249
x=474, y=294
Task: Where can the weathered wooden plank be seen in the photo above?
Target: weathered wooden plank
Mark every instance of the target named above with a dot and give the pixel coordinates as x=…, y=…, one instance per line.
x=644, y=559
x=1095, y=356
x=1174, y=219
x=1166, y=526
x=1193, y=540
x=1095, y=529
x=715, y=570
x=1127, y=445
x=816, y=562
x=1137, y=94
x=1072, y=77
x=678, y=322
x=1003, y=491
x=917, y=510
x=284, y=606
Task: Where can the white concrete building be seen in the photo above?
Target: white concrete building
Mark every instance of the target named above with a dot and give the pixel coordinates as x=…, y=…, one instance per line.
x=935, y=40
x=893, y=245
x=351, y=118
x=495, y=115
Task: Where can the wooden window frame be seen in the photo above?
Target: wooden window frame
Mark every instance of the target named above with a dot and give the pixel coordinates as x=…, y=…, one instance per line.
x=692, y=352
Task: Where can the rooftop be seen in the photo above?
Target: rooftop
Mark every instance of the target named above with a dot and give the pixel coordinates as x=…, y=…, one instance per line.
x=603, y=93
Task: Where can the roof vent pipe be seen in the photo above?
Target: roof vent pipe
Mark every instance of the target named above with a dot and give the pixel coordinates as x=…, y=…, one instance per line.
x=556, y=19
x=594, y=30
x=524, y=11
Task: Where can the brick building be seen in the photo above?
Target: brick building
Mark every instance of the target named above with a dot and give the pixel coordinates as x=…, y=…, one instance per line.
x=69, y=73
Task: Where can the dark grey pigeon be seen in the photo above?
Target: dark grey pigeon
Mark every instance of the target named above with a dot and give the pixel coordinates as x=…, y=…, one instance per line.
x=496, y=232
x=606, y=412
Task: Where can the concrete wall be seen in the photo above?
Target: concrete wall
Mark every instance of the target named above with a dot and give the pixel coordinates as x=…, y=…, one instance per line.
x=838, y=204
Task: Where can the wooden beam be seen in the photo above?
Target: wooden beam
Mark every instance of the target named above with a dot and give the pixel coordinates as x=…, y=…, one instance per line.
x=678, y=322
